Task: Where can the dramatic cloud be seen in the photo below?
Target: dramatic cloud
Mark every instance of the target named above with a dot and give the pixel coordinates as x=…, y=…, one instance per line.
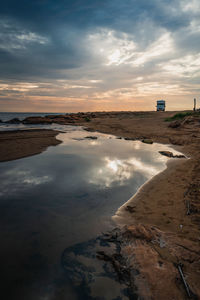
x=98, y=54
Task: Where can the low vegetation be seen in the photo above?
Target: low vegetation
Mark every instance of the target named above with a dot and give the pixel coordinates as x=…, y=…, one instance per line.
x=87, y=119
x=182, y=115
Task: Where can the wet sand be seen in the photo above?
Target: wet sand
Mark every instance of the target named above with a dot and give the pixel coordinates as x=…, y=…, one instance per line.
x=160, y=226
x=18, y=144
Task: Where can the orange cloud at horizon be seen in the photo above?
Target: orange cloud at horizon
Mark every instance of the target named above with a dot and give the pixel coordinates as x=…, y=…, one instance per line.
x=61, y=104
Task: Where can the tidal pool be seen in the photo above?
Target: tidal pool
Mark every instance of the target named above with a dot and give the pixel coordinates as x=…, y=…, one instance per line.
x=53, y=207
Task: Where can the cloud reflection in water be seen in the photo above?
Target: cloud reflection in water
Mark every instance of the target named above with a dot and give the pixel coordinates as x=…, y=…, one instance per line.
x=120, y=170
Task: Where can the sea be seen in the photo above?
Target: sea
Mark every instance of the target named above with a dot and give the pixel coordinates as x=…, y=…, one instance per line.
x=6, y=116
x=57, y=206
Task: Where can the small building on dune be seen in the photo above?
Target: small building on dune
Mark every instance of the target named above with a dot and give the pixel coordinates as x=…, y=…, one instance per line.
x=160, y=105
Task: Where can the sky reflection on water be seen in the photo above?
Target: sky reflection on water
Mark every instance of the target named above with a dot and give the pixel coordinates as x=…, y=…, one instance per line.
x=62, y=197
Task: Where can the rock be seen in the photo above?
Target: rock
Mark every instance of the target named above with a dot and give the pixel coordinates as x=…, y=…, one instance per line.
x=170, y=154
x=166, y=153
x=128, y=139
x=1, y=121
x=147, y=141
x=91, y=137
x=139, y=231
x=52, y=116
x=37, y=120
x=179, y=156
x=175, y=124
x=14, y=121
x=130, y=209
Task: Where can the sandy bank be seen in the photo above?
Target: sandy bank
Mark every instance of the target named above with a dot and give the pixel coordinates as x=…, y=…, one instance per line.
x=19, y=144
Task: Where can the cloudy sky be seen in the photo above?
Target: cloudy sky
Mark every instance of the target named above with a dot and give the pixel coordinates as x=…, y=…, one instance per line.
x=85, y=55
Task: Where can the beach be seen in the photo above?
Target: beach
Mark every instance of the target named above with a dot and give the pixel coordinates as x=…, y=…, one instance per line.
x=160, y=224
x=23, y=143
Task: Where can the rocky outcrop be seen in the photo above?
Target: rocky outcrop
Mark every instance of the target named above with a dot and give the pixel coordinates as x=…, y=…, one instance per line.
x=14, y=121
x=60, y=119
x=37, y=120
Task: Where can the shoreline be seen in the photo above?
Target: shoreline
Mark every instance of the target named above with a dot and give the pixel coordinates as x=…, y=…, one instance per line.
x=158, y=234
x=122, y=214
x=154, y=247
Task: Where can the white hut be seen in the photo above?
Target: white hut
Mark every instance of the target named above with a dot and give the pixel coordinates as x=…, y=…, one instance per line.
x=160, y=105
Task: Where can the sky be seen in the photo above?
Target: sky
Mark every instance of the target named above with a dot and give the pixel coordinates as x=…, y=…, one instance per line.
x=94, y=55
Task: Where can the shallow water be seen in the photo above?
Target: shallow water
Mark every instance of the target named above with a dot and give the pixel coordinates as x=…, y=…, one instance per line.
x=62, y=199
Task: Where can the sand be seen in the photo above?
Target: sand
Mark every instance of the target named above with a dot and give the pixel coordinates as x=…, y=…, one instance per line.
x=160, y=225
x=23, y=143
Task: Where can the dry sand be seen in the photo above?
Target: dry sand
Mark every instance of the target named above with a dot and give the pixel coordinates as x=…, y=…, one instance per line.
x=157, y=233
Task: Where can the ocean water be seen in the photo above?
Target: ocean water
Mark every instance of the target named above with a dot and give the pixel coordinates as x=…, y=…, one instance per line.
x=54, y=207
x=6, y=116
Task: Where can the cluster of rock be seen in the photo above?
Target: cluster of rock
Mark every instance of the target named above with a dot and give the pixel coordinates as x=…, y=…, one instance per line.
x=71, y=118
x=171, y=155
x=75, y=118
x=59, y=119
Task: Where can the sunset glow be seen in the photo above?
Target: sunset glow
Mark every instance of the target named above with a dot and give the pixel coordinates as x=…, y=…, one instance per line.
x=90, y=55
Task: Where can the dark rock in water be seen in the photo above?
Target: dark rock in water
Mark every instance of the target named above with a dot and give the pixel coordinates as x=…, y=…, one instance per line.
x=98, y=260
x=1, y=121
x=52, y=116
x=37, y=120
x=171, y=155
x=166, y=153
x=91, y=137
x=179, y=156
x=147, y=141
x=129, y=139
x=14, y=121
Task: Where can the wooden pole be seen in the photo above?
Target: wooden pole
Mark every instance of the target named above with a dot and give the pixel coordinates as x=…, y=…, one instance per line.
x=194, y=104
